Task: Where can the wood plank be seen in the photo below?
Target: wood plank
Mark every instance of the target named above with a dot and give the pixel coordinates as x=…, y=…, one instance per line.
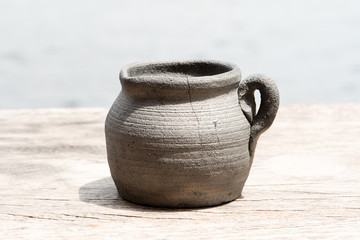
x=304, y=184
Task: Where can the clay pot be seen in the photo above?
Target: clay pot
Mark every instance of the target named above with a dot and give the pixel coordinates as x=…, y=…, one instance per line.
x=183, y=134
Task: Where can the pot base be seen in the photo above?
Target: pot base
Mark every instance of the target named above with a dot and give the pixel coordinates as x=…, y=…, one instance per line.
x=178, y=199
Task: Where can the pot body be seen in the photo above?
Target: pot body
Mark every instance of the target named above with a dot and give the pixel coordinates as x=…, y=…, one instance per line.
x=178, y=145
x=187, y=154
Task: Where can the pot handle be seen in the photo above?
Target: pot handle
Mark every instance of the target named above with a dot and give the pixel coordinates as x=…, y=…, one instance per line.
x=269, y=105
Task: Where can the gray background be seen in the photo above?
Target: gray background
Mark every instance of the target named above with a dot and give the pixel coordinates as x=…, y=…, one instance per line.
x=69, y=53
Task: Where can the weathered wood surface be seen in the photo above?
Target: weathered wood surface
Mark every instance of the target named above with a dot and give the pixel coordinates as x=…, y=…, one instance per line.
x=304, y=184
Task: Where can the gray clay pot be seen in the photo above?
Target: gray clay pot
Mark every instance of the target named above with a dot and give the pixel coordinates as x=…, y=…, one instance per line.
x=183, y=133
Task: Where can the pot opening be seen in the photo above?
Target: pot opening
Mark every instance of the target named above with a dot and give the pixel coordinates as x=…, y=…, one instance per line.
x=180, y=69
x=175, y=79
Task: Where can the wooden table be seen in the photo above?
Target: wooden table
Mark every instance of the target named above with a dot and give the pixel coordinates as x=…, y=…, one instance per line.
x=304, y=183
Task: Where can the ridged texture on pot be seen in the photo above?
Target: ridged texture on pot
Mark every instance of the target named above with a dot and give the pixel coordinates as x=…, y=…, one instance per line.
x=186, y=153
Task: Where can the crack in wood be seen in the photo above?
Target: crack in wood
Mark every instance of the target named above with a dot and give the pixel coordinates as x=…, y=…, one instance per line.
x=145, y=217
x=35, y=217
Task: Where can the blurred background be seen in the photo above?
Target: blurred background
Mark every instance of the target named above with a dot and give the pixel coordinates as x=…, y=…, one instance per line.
x=69, y=53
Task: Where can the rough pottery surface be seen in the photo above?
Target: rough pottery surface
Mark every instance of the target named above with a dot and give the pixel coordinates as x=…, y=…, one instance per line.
x=183, y=134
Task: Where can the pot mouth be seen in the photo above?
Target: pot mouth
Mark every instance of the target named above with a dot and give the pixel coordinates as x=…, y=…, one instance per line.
x=183, y=74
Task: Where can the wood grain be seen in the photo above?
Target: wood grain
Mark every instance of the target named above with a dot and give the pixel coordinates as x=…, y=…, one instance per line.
x=304, y=183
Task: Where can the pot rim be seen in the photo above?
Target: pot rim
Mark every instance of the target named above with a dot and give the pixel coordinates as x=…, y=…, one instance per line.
x=161, y=74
